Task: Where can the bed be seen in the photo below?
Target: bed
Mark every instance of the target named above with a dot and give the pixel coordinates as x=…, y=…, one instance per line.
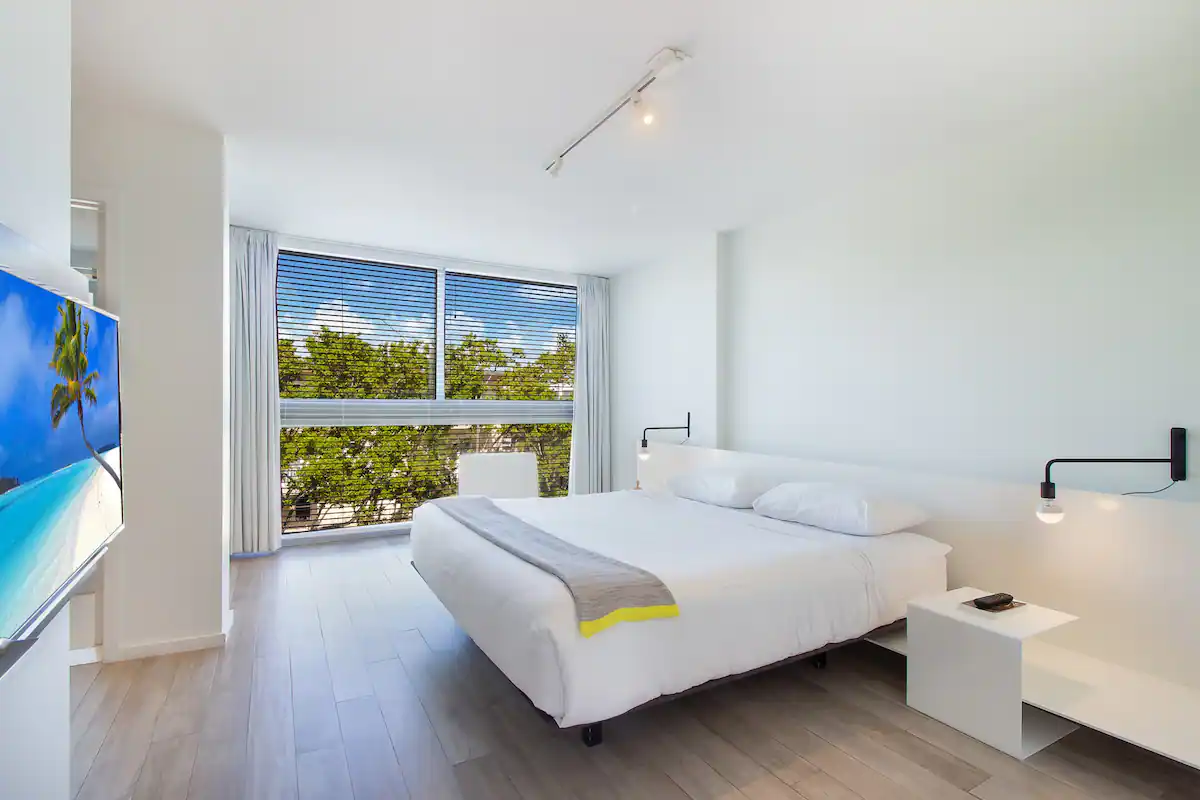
x=751, y=591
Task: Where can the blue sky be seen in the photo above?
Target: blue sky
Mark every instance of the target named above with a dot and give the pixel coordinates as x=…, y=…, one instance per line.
x=29, y=446
x=385, y=303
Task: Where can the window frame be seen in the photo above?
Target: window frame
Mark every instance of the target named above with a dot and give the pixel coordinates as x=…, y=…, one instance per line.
x=313, y=412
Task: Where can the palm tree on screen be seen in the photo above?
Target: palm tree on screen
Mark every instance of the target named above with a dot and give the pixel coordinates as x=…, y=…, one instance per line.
x=70, y=361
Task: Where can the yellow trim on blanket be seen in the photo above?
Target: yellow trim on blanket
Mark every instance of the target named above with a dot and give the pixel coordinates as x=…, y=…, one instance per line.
x=641, y=614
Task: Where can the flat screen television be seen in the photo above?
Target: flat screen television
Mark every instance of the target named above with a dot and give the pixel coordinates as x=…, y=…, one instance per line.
x=60, y=448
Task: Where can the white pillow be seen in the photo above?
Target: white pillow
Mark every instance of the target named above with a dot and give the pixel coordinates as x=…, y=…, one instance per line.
x=837, y=507
x=721, y=487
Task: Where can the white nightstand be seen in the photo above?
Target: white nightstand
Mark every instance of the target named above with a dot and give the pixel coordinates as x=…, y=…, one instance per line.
x=965, y=669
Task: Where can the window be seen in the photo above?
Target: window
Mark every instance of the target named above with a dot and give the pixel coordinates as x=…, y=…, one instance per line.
x=509, y=340
x=388, y=372
x=352, y=329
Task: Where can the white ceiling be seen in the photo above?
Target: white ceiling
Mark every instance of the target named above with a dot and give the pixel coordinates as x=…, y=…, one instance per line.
x=424, y=124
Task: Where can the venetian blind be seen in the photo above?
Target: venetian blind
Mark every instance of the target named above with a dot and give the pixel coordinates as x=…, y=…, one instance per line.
x=352, y=329
x=508, y=339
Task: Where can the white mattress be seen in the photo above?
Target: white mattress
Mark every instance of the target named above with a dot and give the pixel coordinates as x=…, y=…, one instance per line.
x=751, y=591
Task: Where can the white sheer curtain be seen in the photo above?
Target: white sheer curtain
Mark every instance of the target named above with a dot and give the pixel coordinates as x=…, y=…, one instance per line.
x=254, y=418
x=591, y=462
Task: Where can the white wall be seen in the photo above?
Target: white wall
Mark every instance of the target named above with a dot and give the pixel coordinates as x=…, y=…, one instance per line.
x=35, y=186
x=1026, y=294
x=664, y=353
x=1032, y=297
x=35, y=706
x=35, y=139
x=166, y=275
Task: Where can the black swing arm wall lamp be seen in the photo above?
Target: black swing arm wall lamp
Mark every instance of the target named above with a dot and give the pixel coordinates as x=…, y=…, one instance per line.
x=1050, y=513
x=644, y=450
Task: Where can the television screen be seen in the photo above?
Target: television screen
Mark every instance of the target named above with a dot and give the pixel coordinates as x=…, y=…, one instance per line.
x=60, y=436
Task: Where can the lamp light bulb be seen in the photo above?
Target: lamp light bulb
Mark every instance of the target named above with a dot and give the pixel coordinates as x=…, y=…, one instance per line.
x=643, y=110
x=1050, y=513
x=644, y=451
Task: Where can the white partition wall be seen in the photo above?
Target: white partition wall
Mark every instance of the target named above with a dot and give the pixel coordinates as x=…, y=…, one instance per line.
x=35, y=139
x=166, y=581
x=35, y=194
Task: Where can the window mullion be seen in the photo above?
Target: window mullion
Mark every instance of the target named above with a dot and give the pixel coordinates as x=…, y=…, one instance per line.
x=440, y=329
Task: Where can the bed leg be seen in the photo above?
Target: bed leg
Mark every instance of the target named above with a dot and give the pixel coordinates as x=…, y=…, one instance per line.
x=593, y=734
x=820, y=661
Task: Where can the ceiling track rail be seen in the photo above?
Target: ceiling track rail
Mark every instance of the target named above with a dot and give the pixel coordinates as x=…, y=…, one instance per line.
x=666, y=60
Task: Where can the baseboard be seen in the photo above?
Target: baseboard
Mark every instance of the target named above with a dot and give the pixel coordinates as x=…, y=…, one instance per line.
x=164, y=648
x=85, y=655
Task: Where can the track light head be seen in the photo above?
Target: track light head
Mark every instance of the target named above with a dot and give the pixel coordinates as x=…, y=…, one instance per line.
x=643, y=110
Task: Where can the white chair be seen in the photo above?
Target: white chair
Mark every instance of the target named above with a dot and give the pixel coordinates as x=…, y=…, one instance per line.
x=498, y=474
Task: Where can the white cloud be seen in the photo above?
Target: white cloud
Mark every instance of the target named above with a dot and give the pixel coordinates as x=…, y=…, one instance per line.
x=337, y=315
x=462, y=324
x=532, y=348
x=511, y=343
x=411, y=328
x=458, y=326
x=548, y=344
x=291, y=325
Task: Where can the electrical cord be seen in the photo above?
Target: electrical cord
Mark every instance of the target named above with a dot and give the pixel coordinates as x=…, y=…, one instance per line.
x=1156, y=491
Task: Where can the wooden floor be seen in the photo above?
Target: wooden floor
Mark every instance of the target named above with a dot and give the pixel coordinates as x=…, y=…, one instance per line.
x=344, y=678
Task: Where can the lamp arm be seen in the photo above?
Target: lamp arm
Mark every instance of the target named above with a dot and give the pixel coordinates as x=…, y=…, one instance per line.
x=664, y=428
x=687, y=428
x=1048, y=484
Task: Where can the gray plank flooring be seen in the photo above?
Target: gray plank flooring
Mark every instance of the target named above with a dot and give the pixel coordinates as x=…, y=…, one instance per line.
x=345, y=679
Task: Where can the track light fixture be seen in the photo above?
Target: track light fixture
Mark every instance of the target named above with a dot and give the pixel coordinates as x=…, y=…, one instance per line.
x=664, y=63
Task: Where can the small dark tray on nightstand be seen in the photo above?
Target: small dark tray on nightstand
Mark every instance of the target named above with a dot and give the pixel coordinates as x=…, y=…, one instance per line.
x=997, y=610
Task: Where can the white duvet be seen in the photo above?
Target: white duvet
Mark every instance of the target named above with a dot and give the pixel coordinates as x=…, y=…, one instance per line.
x=751, y=591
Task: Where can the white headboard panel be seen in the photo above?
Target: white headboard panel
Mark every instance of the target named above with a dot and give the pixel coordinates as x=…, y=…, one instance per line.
x=1129, y=567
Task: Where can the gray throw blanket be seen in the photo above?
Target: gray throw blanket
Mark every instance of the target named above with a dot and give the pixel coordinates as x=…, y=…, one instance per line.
x=606, y=591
